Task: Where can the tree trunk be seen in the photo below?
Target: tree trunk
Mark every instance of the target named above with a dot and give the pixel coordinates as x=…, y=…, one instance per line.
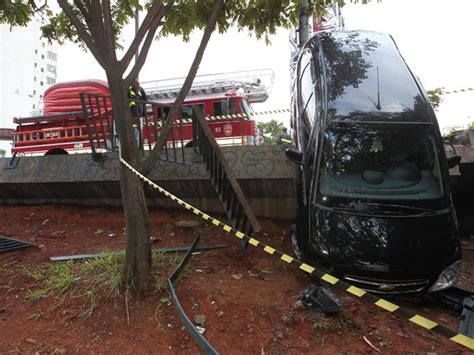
x=137, y=268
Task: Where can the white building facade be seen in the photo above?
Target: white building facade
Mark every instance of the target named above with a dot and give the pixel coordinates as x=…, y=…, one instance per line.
x=28, y=66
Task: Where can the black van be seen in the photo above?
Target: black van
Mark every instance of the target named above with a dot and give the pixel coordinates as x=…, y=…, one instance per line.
x=372, y=185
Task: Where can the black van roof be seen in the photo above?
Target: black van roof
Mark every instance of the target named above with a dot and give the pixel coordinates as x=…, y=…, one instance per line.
x=367, y=79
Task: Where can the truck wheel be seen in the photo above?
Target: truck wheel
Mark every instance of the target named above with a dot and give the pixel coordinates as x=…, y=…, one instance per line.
x=191, y=143
x=56, y=151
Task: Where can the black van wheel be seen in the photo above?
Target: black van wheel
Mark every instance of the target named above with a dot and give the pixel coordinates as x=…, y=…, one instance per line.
x=299, y=232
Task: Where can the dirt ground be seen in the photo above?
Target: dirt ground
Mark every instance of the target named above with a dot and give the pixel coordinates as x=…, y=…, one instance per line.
x=248, y=298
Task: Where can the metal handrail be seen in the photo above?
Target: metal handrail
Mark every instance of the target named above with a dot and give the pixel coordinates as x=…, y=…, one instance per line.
x=225, y=183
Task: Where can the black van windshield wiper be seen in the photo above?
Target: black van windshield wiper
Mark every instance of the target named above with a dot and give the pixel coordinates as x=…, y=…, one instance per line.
x=364, y=211
x=420, y=210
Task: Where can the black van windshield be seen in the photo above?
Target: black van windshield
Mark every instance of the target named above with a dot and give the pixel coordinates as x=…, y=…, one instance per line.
x=380, y=162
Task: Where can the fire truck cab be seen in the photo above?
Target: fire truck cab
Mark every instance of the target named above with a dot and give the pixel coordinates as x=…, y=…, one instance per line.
x=229, y=117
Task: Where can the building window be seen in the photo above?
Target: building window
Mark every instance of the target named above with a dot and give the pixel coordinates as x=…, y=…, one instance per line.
x=43, y=44
x=36, y=51
x=53, y=56
x=34, y=92
x=36, y=65
x=34, y=106
x=41, y=96
x=42, y=56
x=51, y=69
x=42, y=70
x=50, y=81
x=34, y=79
x=41, y=83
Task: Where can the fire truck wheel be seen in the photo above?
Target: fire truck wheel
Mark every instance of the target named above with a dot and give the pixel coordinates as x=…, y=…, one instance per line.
x=191, y=143
x=56, y=151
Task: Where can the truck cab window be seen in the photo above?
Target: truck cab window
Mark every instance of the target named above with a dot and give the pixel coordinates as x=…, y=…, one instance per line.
x=220, y=108
x=233, y=105
x=186, y=112
x=245, y=107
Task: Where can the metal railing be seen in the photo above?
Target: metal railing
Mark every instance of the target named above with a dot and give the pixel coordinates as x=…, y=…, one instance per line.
x=102, y=133
x=228, y=190
x=100, y=125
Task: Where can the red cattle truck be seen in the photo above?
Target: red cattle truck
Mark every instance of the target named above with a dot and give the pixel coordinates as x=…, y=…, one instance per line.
x=62, y=128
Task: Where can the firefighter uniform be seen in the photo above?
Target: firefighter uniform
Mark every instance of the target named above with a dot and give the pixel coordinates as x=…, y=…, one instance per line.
x=284, y=138
x=136, y=108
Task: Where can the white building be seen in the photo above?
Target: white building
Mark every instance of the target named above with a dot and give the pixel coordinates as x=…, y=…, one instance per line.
x=28, y=66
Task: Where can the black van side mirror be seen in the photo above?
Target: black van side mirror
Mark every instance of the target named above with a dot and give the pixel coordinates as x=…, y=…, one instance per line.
x=453, y=161
x=295, y=156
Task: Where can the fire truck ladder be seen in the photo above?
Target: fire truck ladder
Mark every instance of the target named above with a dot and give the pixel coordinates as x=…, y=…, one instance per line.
x=255, y=84
x=227, y=188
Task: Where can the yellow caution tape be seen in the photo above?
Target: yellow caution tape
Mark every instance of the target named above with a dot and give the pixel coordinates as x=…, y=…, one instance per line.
x=380, y=302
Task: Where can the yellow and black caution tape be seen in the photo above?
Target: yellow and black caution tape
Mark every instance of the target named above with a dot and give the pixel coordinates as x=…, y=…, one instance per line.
x=246, y=116
x=236, y=116
x=368, y=297
x=458, y=91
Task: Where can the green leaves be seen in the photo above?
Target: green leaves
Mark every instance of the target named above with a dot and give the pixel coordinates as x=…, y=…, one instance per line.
x=436, y=97
x=259, y=17
x=16, y=12
x=270, y=130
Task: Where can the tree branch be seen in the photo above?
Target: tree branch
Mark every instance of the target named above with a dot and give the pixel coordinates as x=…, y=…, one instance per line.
x=108, y=25
x=93, y=16
x=156, y=10
x=144, y=52
x=35, y=7
x=96, y=17
x=81, y=30
x=150, y=161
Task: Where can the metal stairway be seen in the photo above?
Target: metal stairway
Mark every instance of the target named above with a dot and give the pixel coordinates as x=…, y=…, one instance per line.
x=100, y=126
x=225, y=184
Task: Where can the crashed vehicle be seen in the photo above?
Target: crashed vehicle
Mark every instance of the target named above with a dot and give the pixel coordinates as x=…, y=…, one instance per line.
x=373, y=199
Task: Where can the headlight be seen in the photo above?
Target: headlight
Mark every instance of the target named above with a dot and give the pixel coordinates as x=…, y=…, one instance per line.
x=447, y=278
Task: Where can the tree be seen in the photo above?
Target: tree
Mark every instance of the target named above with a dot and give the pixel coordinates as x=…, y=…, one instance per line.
x=97, y=26
x=270, y=130
x=436, y=97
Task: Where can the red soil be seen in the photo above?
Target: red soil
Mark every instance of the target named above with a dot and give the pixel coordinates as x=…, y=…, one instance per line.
x=247, y=297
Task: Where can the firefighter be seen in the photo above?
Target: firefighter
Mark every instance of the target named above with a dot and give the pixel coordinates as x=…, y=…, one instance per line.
x=284, y=137
x=137, y=108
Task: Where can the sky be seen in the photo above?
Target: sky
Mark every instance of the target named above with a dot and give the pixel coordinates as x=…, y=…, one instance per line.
x=434, y=36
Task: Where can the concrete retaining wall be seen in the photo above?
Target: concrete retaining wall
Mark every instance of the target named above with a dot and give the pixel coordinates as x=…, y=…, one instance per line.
x=264, y=173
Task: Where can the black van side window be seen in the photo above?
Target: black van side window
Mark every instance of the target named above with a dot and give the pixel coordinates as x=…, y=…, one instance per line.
x=306, y=94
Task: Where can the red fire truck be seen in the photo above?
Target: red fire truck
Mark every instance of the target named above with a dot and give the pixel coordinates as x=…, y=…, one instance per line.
x=62, y=127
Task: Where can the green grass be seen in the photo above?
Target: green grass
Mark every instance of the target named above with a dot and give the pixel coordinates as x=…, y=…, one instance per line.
x=89, y=279
x=324, y=323
x=35, y=316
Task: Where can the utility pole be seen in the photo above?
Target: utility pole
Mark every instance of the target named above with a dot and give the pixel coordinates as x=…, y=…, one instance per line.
x=303, y=24
x=137, y=26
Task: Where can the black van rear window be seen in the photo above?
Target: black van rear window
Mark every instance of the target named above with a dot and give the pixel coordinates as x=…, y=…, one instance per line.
x=380, y=161
x=367, y=79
